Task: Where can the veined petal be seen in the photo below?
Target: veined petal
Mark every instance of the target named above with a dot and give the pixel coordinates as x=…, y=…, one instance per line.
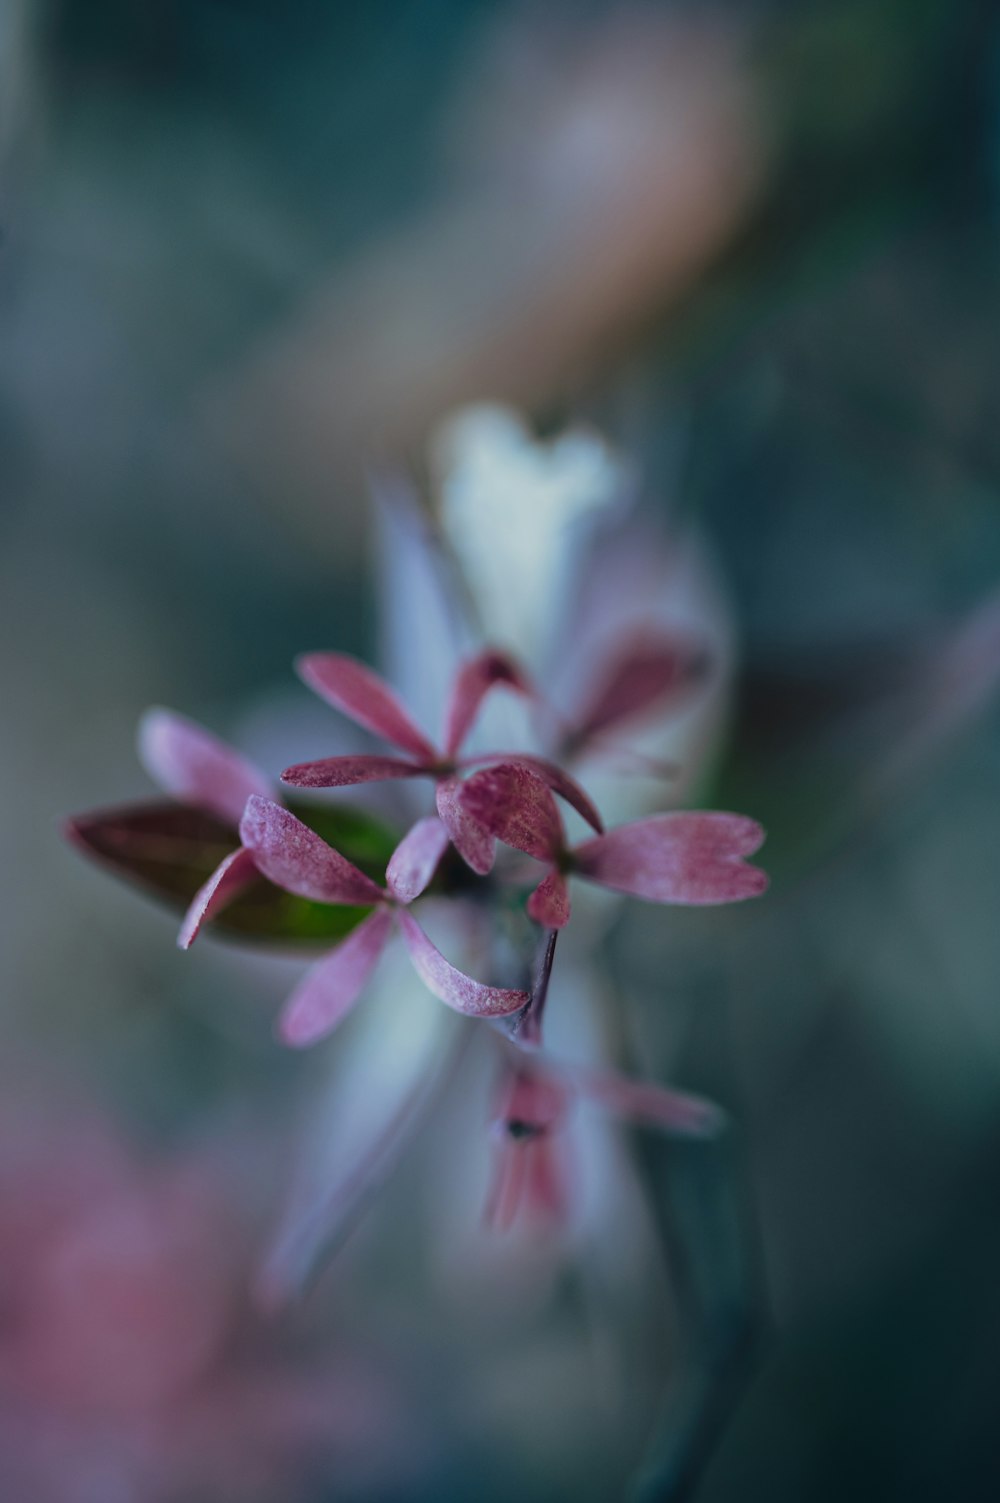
x=553, y=777
x=196, y=767
x=453, y=987
x=515, y=805
x=361, y=694
x=646, y=672
x=549, y=903
x=295, y=858
x=472, y=683
x=344, y=772
x=472, y=841
x=329, y=990
x=415, y=860
x=229, y=879
x=677, y=858
x=653, y=1105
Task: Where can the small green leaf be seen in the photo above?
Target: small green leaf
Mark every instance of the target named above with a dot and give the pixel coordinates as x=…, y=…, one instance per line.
x=169, y=850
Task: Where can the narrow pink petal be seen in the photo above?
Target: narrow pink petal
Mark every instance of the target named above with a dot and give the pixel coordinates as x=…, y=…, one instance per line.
x=472, y=841
x=472, y=683
x=295, y=858
x=677, y=858
x=646, y=1102
x=415, y=860
x=507, y=1184
x=549, y=903
x=230, y=878
x=548, y=1192
x=553, y=777
x=344, y=772
x=515, y=805
x=196, y=767
x=352, y=687
x=646, y=672
x=328, y=991
x=453, y=987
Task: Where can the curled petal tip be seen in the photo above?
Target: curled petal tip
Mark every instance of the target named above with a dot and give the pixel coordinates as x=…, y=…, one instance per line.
x=452, y=986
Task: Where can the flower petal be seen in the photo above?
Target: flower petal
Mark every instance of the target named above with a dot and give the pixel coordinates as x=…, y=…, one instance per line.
x=361, y=694
x=196, y=767
x=647, y=1102
x=646, y=672
x=329, y=990
x=453, y=987
x=295, y=858
x=515, y=805
x=229, y=879
x=344, y=772
x=472, y=683
x=549, y=903
x=553, y=777
x=472, y=841
x=415, y=860
x=677, y=858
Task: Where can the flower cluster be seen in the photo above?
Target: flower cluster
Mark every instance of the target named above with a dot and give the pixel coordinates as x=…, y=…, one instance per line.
x=579, y=674
x=283, y=876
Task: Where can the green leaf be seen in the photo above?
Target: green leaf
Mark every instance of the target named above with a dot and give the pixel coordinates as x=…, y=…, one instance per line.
x=169, y=850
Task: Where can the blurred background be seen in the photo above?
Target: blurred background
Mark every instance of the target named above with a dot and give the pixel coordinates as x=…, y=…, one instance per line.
x=250, y=250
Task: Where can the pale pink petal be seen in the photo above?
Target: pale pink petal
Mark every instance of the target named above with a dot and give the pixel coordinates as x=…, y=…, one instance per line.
x=549, y=903
x=344, y=772
x=534, y=1100
x=453, y=987
x=329, y=990
x=295, y=858
x=553, y=777
x=677, y=858
x=196, y=767
x=231, y=877
x=510, y=1169
x=415, y=860
x=352, y=687
x=472, y=683
x=646, y=1102
x=548, y=1191
x=515, y=805
x=646, y=672
x=472, y=841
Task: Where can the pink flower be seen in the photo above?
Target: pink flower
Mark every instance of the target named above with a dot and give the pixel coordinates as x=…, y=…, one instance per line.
x=532, y=1171
x=297, y=859
x=198, y=769
x=691, y=858
x=353, y=688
